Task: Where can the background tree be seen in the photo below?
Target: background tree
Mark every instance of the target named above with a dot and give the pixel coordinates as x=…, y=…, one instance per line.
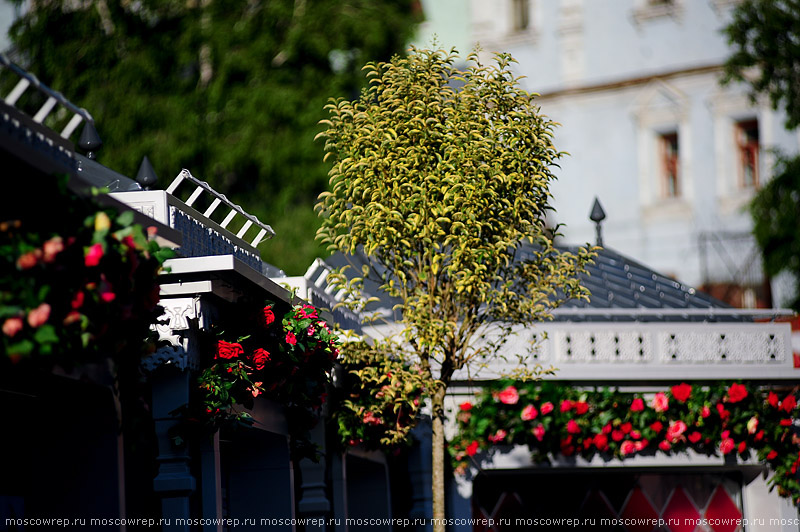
x=231, y=90
x=765, y=37
x=441, y=178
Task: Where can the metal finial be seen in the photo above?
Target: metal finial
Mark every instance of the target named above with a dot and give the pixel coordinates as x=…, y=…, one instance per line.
x=598, y=215
x=89, y=140
x=146, y=176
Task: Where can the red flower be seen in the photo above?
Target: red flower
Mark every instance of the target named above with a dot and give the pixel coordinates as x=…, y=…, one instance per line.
x=637, y=405
x=726, y=446
x=372, y=419
x=664, y=445
x=28, y=260
x=290, y=338
x=626, y=428
x=640, y=445
x=601, y=442
x=657, y=426
x=566, y=405
x=529, y=413
x=39, y=316
x=472, y=448
x=675, y=430
x=736, y=393
x=772, y=455
x=260, y=358
x=266, y=316
x=581, y=407
x=587, y=443
x=567, y=449
x=572, y=427
x=681, y=392
x=759, y=435
x=786, y=422
x=635, y=434
x=465, y=406
x=627, y=447
x=12, y=326
x=538, y=432
x=498, y=436
x=742, y=447
x=723, y=414
x=705, y=411
x=93, y=255
x=617, y=435
x=788, y=404
x=694, y=437
x=77, y=300
x=509, y=396
x=660, y=402
x=52, y=247
x=773, y=400
x=607, y=428
x=227, y=350
x=546, y=408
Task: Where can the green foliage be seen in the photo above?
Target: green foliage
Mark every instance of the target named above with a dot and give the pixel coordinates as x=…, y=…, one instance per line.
x=231, y=90
x=765, y=37
x=555, y=419
x=441, y=177
x=78, y=288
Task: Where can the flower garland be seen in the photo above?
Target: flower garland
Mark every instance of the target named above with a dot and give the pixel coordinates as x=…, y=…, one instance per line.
x=377, y=399
x=720, y=419
x=76, y=288
x=289, y=362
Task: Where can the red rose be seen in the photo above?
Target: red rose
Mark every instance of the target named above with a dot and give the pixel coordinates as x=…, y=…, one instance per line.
x=636, y=435
x=529, y=413
x=290, y=338
x=694, y=437
x=627, y=447
x=538, y=432
x=681, y=392
x=509, y=396
x=772, y=455
x=705, y=411
x=93, y=255
x=723, y=414
x=759, y=435
x=617, y=435
x=465, y=406
x=572, y=427
x=52, y=247
x=675, y=430
x=742, y=447
x=498, y=436
x=12, y=326
x=581, y=407
x=786, y=422
x=640, y=445
x=546, y=408
x=28, y=260
x=227, y=350
x=472, y=448
x=657, y=426
x=626, y=428
x=77, y=300
x=788, y=404
x=587, y=443
x=607, y=428
x=637, y=405
x=566, y=405
x=773, y=400
x=726, y=446
x=266, y=316
x=736, y=393
x=567, y=449
x=665, y=445
x=601, y=442
x=260, y=358
x=660, y=402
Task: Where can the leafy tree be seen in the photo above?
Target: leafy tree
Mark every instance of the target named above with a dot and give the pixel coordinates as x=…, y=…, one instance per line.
x=441, y=177
x=231, y=90
x=765, y=37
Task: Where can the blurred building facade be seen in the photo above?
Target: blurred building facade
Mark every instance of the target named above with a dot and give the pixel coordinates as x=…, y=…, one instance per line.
x=673, y=155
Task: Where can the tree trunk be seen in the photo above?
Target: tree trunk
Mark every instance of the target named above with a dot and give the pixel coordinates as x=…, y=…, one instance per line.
x=437, y=474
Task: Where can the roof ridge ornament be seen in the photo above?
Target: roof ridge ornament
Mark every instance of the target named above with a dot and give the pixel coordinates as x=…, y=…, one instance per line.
x=598, y=215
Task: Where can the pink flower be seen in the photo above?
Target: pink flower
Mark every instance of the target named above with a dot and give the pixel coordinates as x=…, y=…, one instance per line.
x=681, y=392
x=529, y=413
x=637, y=405
x=752, y=425
x=93, y=255
x=28, y=260
x=509, y=396
x=705, y=411
x=12, y=326
x=52, y=247
x=675, y=430
x=472, y=448
x=660, y=402
x=640, y=445
x=465, y=406
x=38, y=316
x=627, y=447
x=546, y=408
x=498, y=436
x=538, y=432
x=72, y=317
x=572, y=427
x=290, y=338
x=736, y=393
x=726, y=445
x=256, y=389
x=371, y=419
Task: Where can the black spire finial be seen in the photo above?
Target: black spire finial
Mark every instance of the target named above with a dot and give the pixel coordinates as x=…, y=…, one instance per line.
x=146, y=176
x=598, y=215
x=89, y=140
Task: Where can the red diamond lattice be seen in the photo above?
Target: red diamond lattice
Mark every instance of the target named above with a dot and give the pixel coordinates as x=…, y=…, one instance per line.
x=722, y=514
